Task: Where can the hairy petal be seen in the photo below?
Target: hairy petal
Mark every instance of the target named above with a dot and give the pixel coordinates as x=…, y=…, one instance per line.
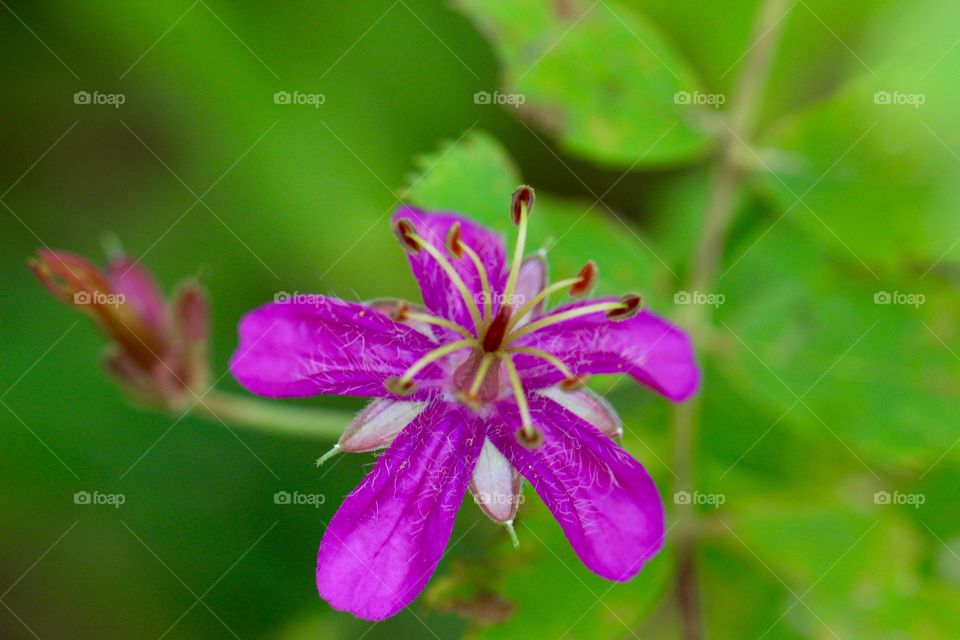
x=385, y=541
x=440, y=295
x=647, y=347
x=378, y=424
x=590, y=406
x=324, y=345
x=495, y=485
x=603, y=499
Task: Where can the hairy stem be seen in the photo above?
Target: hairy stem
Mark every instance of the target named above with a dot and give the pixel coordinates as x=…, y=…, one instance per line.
x=272, y=418
x=720, y=209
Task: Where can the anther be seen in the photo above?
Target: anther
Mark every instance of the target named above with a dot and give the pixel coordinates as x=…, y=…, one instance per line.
x=522, y=200
x=406, y=233
x=400, y=386
x=629, y=306
x=573, y=383
x=401, y=312
x=586, y=280
x=454, y=244
x=530, y=437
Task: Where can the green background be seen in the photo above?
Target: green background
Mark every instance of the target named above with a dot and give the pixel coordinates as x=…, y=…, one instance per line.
x=814, y=399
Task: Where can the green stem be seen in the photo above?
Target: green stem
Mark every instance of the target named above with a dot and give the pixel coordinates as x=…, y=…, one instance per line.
x=720, y=209
x=273, y=418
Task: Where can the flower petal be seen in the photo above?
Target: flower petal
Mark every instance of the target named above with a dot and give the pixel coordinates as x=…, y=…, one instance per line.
x=590, y=406
x=495, y=485
x=603, y=499
x=317, y=345
x=440, y=295
x=647, y=347
x=378, y=424
x=129, y=279
x=530, y=281
x=385, y=541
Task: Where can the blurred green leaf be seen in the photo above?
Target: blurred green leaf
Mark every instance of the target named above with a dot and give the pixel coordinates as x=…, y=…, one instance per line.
x=602, y=79
x=832, y=349
x=476, y=177
x=874, y=171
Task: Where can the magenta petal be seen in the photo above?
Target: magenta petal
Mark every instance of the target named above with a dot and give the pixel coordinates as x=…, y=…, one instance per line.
x=440, y=295
x=603, y=499
x=385, y=541
x=139, y=290
x=318, y=345
x=647, y=347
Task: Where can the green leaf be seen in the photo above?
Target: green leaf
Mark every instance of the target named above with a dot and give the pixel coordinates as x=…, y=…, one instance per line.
x=601, y=79
x=874, y=171
x=863, y=363
x=476, y=177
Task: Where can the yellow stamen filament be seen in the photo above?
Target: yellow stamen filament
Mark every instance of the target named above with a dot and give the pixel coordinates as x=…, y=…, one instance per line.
x=517, y=253
x=454, y=277
x=440, y=322
x=481, y=374
x=521, y=397
x=435, y=355
x=561, y=317
x=526, y=308
x=484, y=279
x=549, y=357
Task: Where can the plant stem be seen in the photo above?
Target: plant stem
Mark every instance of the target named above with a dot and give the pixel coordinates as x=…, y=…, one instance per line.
x=720, y=209
x=273, y=418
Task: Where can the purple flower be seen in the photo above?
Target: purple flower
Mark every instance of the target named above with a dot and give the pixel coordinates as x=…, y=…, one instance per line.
x=479, y=386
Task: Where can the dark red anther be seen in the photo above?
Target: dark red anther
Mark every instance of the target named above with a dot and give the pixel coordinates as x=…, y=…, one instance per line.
x=522, y=198
x=587, y=278
x=454, y=246
x=405, y=234
x=630, y=306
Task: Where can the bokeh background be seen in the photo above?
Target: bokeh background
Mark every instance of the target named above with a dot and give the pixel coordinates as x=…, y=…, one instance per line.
x=828, y=418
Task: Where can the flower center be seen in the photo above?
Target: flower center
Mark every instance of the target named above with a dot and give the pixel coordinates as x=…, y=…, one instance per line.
x=476, y=380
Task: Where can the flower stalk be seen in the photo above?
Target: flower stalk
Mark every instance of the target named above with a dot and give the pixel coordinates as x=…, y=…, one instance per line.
x=720, y=209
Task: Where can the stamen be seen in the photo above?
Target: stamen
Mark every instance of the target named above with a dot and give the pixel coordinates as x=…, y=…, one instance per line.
x=632, y=303
x=414, y=238
x=484, y=279
x=549, y=357
x=472, y=397
x=528, y=435
x=405, y=231
x=520, y=206
x=619, y=307
x=453, y=241
x=404, y=385
x=579, y=285
x=403, y=312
